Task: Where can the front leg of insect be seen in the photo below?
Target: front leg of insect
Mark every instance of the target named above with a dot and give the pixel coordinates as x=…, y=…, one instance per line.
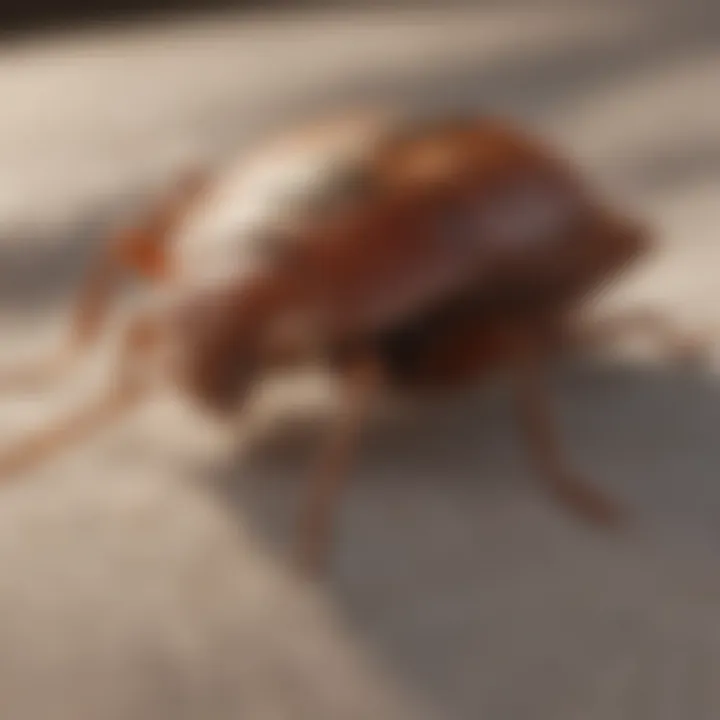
x=127, y=391
x=142, y=250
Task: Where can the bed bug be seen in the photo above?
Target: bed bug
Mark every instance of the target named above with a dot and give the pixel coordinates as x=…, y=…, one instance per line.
x=403, y=254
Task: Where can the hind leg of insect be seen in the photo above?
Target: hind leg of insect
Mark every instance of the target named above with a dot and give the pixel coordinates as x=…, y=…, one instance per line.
x=674, y=342
x=472, y=350
x=328, y=480
x=125, y=393
x=141, y=250
x=545, y=450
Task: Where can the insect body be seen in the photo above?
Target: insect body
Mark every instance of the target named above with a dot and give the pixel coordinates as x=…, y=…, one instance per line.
x=403, y=255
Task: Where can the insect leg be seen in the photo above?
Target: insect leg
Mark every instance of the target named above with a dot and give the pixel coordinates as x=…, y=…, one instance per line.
x=117, y=400
x=142, y=250
x=541, y=434
x=89, y=314
x=678, y=345
x=329, y=479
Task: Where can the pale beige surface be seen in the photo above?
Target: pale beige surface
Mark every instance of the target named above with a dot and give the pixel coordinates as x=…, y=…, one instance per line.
x=125, y=590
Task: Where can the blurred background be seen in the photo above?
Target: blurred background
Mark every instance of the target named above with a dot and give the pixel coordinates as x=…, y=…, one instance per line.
x=144, y=574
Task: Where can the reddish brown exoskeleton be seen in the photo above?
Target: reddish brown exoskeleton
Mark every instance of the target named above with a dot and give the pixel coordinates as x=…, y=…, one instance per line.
x=404, y=255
